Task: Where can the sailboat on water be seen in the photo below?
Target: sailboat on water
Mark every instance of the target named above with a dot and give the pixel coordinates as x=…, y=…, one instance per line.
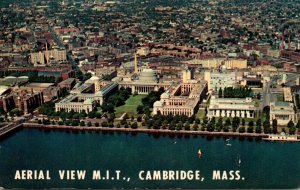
x=227, y=142
x=239, y=161
x=199, y=153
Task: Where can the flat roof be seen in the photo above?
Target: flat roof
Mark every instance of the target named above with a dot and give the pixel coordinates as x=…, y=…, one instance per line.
x=67, y=81
x=41, y=85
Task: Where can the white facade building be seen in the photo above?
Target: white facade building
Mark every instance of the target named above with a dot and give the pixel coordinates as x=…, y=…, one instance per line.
x=217, y=80
x=283, y=112
x=232, y=107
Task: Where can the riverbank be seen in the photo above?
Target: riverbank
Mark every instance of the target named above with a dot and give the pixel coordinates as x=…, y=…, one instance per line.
x=140, y=130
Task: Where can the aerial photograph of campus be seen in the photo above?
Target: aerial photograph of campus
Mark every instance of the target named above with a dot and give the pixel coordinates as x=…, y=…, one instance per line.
x=150, y=94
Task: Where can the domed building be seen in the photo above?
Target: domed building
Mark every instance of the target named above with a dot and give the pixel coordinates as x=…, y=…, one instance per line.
x=148, y=75
x=96, y=81
x=157, y=106
x=144, y=82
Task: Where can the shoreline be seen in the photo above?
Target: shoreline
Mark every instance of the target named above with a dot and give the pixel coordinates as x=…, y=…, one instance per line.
x=150, y=131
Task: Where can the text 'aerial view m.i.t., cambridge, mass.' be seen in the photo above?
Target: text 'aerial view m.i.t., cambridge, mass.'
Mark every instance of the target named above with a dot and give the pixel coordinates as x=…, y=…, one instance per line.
x=149, y=94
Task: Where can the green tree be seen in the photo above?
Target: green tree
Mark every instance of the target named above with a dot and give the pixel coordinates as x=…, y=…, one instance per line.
x=205, y=120
x=74, y=122
x=82, y=114
x=156, y=124
x=89, y=124
x=290, y=124
x=258, y=122
x=258, y=129
x=111, y=124
x=251, y=123
x=104, y=124
x=63, y=115
x=92, y=114
x=292, y=130
x=195, y=126
x=226, y=128
x=172, y=126
x=82, y=123
x=220, y=93
x=243, y=122
x=140, y=109
x=75, y=115
x=267, y=127
x=165, y=124
x=187, y=126
x=134, y=125
x=258, y=96
x=227, y=122
x=210, y=127
x=179, y=126
x=250, y=129
x=242, y=129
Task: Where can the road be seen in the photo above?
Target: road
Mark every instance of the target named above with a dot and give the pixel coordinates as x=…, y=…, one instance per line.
x=266, y=94
x=60, y=44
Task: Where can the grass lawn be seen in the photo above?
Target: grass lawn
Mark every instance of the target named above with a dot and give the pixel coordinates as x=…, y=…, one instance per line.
x=279, y=98
x=201, y=113
x=130, y=105
x=99, y=110
x=2, y=83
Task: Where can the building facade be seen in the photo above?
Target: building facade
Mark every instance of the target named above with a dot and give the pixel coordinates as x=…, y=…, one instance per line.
x=232, y=107
x=283, y=112
x=217, y=80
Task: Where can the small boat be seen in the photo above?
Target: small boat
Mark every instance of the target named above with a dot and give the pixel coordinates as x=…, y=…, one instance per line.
x=227, y=140
x=239, y=161
x=228, y=144
x=199, y=153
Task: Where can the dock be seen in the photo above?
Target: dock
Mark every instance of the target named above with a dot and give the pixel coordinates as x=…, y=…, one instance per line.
x=290, y=138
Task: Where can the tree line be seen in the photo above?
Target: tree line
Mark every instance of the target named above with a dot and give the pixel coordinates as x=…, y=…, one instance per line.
x=148, y=101
x=116, y=100
x=238, y=92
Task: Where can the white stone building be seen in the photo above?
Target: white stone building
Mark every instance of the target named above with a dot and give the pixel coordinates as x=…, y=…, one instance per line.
x=232, y=107
x=283, y=112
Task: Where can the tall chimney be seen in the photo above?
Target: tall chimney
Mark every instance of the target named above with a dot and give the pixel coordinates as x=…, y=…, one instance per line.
x=289, y=42
x=282, y=41
x=135, y=64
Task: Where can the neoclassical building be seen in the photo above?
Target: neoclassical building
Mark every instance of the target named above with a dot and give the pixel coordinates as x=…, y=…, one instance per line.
x=144, y=82
x=283, y=112
x=182, y=98
x=75, y=103
x=82, y=97
x=232, y=107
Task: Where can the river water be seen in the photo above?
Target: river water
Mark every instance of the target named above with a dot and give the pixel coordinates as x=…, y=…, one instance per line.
x=263, y=164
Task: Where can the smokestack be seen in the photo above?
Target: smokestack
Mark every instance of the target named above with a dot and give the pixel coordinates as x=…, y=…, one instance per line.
x=289, y=42
x=135, y=64
x=47, y=53
x=282, y=41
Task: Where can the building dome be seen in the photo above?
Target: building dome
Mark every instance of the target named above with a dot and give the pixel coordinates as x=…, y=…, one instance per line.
x=10, y=77
x=165, y=95
x=148, y=75
x=157, y=104
x=23, y=77
x=94, y=78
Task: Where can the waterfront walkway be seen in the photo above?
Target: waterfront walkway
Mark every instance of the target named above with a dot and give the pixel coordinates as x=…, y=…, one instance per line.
x=141, y=130
x=12, y=126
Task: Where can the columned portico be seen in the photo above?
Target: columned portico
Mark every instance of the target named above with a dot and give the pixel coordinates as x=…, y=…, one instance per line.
x=233, y=113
